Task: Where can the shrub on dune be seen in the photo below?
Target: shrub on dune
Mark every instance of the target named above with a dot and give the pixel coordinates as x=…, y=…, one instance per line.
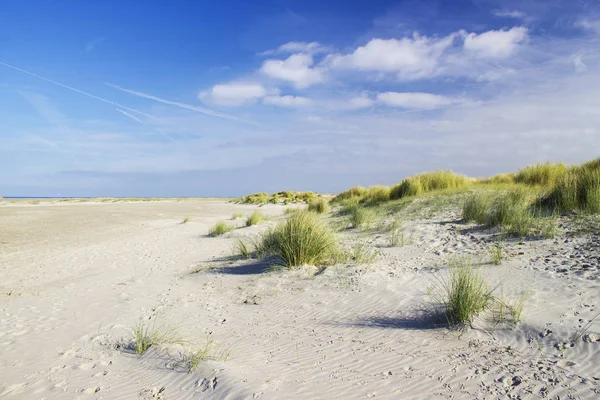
x=303, y=239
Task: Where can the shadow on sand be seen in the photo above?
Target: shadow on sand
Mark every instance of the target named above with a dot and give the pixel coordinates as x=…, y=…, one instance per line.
x=421, y=320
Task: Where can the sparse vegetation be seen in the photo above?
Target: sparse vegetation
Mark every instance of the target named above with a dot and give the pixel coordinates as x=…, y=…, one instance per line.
x=146, y=335
x=255, y=218
x=475, y=208
x=303, y=239
x=185, y=220
x=398, y=235
x=362, y=254
x=209, y=351
x=242, y=249
x=237, y=216
x=318, y=205
x=496, y=253
x=220, y=228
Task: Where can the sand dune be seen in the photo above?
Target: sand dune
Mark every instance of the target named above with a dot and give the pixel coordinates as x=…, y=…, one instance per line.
x=76, y=277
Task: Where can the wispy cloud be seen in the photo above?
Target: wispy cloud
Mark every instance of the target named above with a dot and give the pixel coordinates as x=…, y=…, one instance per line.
x=185, y=106
x=90, y=46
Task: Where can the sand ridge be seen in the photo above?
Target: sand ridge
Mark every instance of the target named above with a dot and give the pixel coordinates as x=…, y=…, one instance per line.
x=70, y=300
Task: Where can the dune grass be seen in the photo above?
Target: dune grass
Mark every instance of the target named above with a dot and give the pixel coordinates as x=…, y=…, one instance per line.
x=220, y=228
x=237, y=216
x=476, y=206
x=284, y=197
x=496, y=253
x=362, y=254
x=304, y=239
x=464, y=293
x=255, y=218
x=545, y=174
x=427, y=182
x=146, y=335
x=576, y=190
x=377, y=194
x=186, y=220
x=354, y=192
x=318, y=205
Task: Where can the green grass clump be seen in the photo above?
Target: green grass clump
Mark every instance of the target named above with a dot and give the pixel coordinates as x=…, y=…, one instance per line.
x=289, y=211
x=186, y=220
x=362, y=254
x=146, y=335
x=546, y=174
x=220, y=228
x=428, y=182
x=318, y=205
x=256, y=218
x=303, y=239
x=577, y=190
x=237, y=215
x=512, y=212
x=360, y=215
x=464, y=294
x=476, y=206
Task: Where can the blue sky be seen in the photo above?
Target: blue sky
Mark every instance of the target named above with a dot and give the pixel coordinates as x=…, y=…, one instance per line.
x=205, y=98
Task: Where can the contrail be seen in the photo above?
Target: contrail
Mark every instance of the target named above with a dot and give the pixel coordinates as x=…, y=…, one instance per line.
x=78, y=91
x=175, y=103
x=129, y=115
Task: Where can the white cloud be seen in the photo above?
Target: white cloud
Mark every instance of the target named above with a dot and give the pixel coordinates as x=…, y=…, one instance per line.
x=495, y=44
x=295, y=69
x=235, y=93
x=410, y=58
x=359, y=102
x=287, y=101
x=509, y=13
x=415, y=100
x=298, y=47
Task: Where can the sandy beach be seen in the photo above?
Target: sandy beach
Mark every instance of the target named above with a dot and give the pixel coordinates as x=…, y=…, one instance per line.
x=78, y=276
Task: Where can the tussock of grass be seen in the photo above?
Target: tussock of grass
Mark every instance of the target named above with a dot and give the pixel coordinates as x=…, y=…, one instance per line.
x=243, y=249
x=546, y=174
x=146, y=335
x=360, y=215
x=319, y=205
x=377, y=194
x=209, y=351
x=499, y=179
x=220, y=228
x=237, y=215
x=303, y=239
x=289, y=211
x=256, y=218
x=186, y=220
x=476, y=206
x=427, y=182
x=464, y=294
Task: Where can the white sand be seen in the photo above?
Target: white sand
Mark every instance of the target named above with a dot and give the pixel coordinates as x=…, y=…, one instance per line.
x=76, y=277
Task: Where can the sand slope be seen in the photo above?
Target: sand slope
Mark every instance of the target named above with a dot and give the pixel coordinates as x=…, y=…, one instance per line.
x=77, y=277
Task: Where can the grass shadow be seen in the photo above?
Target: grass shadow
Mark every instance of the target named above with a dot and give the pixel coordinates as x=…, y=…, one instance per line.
x=421, y=320
x=253, y=268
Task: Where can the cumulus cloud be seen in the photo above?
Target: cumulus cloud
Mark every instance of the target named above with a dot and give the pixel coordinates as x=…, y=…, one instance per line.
x=235, y=93
x=415, y=100
x=410, y=57
x=295, y=69
x=287, y=101
x=495, y=44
